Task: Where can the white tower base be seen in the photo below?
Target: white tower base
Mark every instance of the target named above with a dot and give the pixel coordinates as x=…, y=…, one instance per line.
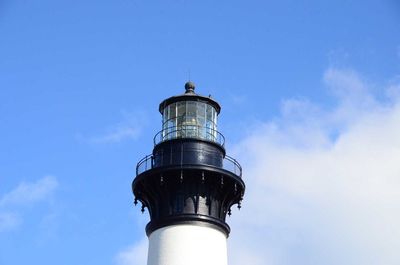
x=187, y=245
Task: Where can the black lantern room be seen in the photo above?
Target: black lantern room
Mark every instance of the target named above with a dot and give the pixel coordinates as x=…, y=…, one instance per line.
x=189, y=178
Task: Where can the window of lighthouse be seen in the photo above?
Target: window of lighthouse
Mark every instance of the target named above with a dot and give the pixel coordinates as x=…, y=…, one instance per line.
x=165, y=123
x=181, y=106
x=169, y=122
x=172, y=120
x=201, y=120
x=190, y=125
x=190, y=119
x=211, y=123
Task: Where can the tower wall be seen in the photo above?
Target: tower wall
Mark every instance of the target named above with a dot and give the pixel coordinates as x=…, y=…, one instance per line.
x=187, y=245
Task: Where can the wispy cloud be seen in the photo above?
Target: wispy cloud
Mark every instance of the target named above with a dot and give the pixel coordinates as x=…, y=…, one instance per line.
x=130, y=127
x=238, y=99
x=135, y=254
x=9, y=220
x=352, y=90
x=26, y=193
x=117, y=135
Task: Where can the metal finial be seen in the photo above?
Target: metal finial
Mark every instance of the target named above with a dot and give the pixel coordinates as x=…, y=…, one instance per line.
x=189, y=87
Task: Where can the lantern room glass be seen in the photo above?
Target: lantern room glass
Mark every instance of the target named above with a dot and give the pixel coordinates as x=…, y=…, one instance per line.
x=189, y=119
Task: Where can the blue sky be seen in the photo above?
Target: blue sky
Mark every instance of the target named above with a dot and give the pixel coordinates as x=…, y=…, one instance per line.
x=302, y=84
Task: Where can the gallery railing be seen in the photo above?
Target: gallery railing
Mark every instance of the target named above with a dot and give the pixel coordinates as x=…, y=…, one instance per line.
x=228, y=163
x=189, y=131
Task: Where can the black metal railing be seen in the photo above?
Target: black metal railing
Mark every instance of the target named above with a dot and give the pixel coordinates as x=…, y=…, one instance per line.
x=228, y=163
x=146, y=163
x=232, y=165
x=190, y=131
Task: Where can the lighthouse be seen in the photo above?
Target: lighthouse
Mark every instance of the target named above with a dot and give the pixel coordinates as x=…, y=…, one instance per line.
x=188, y=184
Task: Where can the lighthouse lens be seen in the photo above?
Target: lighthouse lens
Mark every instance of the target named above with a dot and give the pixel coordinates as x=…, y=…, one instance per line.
x=189, y=119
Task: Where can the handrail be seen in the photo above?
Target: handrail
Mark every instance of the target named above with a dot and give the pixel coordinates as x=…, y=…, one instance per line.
x=189, y=131
x=228, y=163
x=144, y=162
x=237, y=168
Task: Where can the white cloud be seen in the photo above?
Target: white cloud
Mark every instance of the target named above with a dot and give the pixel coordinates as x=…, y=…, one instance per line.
x=9, y=220
x=119, y=133
x=26, y=193
x=134, y=255
x=23, y=195
x=316, y=199
x=129, y=128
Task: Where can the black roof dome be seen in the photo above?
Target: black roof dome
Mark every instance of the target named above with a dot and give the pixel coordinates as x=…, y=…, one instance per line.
x=189, y=95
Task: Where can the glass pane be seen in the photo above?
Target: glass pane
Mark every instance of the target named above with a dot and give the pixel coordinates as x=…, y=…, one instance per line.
x=214, y=132
x=164, y=132
x=190, y=113
x=201, y=113
x=214, y=116
x=201, y=131
x=201, y=120
x=181, y=109
x=165, y=125
x=191, y=123
x=179, y=128
x=209, y=123
x=165, y=114
x=172, y=110
x=171, y=130
x=209, y=113
x=209, y=130
x=181, y=106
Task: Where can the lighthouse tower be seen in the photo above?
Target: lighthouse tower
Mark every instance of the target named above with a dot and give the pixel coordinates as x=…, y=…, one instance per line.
x=188, y=184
